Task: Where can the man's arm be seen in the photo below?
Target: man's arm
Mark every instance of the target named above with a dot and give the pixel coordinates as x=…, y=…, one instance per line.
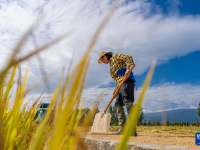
x=129, y=61
x=125, y=58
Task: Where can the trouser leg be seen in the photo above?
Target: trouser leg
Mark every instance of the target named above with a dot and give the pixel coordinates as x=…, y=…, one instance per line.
x=121, y=117
x=129, y=105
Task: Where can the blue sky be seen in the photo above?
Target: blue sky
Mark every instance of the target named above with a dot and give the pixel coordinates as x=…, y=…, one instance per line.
x=180, y=70
x=185, y=7
x=166, y=29
x=183, y=69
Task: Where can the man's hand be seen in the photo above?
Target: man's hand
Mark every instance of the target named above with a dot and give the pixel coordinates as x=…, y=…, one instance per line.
x=127, y=74
x=115, y=94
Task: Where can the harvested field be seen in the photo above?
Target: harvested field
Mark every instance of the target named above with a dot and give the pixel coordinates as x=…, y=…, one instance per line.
x=181, y=136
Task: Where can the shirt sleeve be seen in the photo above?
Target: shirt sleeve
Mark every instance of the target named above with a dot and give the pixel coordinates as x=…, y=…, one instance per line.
x=126, y=58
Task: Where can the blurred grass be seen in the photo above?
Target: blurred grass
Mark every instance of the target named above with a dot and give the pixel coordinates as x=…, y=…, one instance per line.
x=130, y=125
x=59, y=129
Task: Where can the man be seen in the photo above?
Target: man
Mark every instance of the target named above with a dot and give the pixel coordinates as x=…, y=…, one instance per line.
x=119, y=68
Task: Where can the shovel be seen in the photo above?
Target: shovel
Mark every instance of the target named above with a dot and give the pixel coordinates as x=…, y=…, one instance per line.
x=101, y=122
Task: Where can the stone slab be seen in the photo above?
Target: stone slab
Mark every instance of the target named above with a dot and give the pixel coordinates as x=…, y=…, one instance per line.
x=94, y=143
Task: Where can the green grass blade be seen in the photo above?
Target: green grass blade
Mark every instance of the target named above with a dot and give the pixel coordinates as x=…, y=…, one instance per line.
x=129, y=126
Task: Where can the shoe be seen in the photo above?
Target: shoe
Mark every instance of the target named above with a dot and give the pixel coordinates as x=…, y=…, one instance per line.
x=135, y=134
x=119, y=133
x=116, y=133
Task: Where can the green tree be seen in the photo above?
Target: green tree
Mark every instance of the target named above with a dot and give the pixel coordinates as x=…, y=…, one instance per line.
x=149, y=123
x=158, y=123
x=198, y=113
x=176, y=124
x=197, y=121
x=183, y=124
x=154, y=122
x=110, y=110
x=141, y=116
x=113, y=112
x=115, y=119
x=167, y=123
x=145, y=122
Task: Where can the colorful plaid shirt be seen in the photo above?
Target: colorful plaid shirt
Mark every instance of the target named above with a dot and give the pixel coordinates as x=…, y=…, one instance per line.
x=118, y=61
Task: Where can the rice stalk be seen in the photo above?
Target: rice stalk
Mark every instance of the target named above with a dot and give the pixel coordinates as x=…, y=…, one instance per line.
x=130, y=125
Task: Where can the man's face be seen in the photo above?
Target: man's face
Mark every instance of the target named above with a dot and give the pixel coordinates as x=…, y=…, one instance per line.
x=104, y=59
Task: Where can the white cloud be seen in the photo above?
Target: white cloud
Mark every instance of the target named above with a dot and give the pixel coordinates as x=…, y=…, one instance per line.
x=193, y=107
x=171, y=96
x=133, y=30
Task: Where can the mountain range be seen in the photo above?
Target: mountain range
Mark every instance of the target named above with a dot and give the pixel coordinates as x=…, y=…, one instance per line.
x=178, y=116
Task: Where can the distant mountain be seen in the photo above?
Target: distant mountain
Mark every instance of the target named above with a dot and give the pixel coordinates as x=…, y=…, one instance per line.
x=179, y=116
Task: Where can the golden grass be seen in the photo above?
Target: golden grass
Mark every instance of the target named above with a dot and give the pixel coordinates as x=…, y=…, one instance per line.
x=129, y=127
x=58, y=130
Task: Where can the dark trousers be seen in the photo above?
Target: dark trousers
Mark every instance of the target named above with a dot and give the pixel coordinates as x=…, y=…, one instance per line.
x=125, y=97
x=126, y=93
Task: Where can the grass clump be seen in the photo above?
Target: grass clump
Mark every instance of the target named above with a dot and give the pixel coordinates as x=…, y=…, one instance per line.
x=58, y=130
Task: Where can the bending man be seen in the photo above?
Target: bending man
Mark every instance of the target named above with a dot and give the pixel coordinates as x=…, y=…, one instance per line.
x=119, y=68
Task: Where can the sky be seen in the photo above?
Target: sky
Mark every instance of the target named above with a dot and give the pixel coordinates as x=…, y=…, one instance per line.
x=168, y=30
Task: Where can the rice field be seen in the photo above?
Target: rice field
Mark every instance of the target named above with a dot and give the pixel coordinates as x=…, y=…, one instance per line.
x=181, y=130
x=170, y=135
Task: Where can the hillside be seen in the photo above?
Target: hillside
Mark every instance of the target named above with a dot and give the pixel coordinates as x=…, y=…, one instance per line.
x=179, y=115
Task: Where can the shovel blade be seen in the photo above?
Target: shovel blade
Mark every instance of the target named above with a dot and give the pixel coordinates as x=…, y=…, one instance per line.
x=101, y=123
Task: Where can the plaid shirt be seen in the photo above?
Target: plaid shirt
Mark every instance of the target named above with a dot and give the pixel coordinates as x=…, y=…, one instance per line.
x=118, y=61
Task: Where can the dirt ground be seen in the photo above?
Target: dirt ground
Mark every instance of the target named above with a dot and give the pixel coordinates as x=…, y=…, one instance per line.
x=153, y=137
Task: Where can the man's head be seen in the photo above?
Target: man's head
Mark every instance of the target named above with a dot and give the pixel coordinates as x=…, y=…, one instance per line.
x=104, y=57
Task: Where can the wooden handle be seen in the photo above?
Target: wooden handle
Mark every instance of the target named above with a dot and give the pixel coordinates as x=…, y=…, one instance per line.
x=118, y=89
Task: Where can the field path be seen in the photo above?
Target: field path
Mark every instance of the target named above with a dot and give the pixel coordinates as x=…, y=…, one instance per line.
x=158, y=138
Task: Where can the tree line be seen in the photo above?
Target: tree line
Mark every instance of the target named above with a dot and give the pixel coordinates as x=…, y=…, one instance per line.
x=141, y=122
